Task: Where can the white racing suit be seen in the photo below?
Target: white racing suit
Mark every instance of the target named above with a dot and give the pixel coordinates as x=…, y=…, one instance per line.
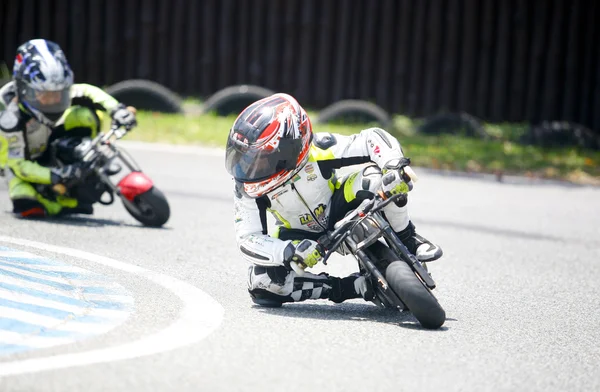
x=306, y=206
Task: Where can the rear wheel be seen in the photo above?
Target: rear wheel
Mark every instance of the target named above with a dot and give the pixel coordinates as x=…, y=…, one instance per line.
x=152, y=208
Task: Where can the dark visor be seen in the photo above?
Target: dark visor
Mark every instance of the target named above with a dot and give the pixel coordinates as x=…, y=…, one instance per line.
x=253, y=165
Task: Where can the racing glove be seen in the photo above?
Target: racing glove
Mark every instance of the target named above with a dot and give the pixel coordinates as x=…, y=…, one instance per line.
x=124, y=116
x=395, y=181
x=63, y=177
x=305, y=252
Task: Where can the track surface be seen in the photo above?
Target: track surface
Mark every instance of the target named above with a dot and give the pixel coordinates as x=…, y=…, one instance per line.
x=519, y=282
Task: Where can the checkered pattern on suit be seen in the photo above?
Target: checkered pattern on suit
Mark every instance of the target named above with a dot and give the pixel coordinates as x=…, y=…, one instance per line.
x=309, y=289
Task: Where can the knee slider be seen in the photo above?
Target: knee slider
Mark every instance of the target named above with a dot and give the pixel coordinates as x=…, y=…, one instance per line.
x=265, y=298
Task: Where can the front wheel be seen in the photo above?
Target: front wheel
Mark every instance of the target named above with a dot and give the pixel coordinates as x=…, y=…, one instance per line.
x=151, y=208
x=419, y=300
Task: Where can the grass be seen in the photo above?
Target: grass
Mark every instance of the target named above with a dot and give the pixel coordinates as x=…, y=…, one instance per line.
x=502, y=155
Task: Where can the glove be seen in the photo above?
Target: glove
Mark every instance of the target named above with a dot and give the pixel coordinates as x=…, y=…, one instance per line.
x=66, y=174
x=394, y=182
x=124, y=116
x=305, y=252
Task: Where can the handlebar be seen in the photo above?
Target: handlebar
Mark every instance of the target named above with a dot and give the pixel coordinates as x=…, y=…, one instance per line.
x=367, y=207
x=333, y=239
x=84, y=149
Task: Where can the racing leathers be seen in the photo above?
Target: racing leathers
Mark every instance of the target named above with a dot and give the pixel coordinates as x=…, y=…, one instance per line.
x=305, y=207
x=27, y=142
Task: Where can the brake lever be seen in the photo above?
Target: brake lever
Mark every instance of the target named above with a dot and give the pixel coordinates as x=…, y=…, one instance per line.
x=387, y=201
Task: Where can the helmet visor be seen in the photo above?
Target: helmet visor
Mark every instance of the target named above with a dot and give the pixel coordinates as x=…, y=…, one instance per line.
x=251, y=164
x=52, y=103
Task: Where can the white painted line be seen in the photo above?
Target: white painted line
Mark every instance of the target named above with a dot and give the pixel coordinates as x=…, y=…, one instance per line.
x=199, y=316
x=56, y=323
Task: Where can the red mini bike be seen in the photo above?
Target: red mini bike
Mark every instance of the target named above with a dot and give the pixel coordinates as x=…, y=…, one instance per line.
x=97, y=158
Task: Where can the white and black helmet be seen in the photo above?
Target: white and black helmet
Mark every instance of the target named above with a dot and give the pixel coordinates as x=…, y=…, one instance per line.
x=43, y=80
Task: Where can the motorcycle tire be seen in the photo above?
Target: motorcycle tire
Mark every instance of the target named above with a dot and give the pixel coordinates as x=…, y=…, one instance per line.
x=146, y=95
x=153, y=208
x=455, y=124
x=351, y=111
x=233, y=99
x=415, y=295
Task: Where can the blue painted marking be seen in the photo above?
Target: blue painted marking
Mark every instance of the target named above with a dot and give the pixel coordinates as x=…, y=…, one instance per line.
x=44, y=295
x=58, y=274
x=8, y=324
x=56, y=285
x=12, y=348
x=60, y=286
x=85, y=282
x=109, y=305
x=101, y=290
x=52, y=312
x=30, y=261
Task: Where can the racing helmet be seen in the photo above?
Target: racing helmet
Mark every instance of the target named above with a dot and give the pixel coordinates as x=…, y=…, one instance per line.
x=268, y=144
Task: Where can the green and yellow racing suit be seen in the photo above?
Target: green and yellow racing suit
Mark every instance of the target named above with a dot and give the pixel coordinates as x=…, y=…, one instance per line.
x=24, y=142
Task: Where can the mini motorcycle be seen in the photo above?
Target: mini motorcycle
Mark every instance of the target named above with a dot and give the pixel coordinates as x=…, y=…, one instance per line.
x=97, y=159
x=398, y=279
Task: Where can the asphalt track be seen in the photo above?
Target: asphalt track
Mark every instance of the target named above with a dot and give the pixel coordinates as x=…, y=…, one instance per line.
x=519, y=282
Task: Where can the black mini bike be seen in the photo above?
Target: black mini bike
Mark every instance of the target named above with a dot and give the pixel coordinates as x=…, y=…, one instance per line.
x=398, y=279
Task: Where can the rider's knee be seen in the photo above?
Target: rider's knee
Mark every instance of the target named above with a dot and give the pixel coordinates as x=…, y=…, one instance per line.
x=19, y=189
x=267, y=285
x=274, y=279
x=366, y=183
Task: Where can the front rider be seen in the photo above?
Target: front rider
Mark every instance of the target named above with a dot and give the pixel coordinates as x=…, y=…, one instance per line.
x=42, y=105
x=279, y=167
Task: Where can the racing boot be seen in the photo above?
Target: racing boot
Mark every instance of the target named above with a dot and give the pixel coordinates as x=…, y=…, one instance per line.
x=350, y=287
x=419, y=246
x=85, y=209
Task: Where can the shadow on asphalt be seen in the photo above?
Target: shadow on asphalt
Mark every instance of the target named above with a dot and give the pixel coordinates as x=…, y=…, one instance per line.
x=350, y=312
x=494, y=230
x=86, y=221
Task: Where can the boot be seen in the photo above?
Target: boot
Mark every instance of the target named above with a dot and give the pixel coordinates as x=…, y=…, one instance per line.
x=422, y=248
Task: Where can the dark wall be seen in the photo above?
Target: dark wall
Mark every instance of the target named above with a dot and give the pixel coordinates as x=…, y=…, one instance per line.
x=508, y=60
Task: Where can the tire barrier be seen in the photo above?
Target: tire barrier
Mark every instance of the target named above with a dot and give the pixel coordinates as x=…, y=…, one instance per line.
x=453, y=123
x=146, y=95
x=234, y=99
x=352, y=111
x=149, y=95
x=561, y=134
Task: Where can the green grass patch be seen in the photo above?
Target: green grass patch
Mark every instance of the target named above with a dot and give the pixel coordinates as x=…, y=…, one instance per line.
x=502, y=155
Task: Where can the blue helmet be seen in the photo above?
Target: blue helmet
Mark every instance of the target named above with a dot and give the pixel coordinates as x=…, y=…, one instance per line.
x=43, y=80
